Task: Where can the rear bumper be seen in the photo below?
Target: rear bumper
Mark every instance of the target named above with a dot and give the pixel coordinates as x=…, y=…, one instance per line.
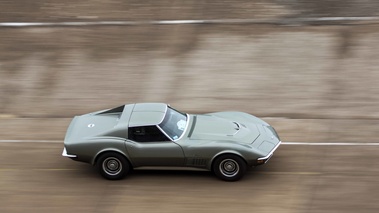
x=64, y=154
x=266, y=158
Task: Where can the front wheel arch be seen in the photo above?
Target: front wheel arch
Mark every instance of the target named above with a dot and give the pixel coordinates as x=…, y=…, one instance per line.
x=96, y=158
x=210, y=166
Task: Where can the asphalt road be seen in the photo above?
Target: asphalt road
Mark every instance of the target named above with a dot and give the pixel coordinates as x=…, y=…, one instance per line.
x=299, y=178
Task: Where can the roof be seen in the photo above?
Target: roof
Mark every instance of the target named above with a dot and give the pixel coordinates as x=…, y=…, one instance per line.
x=144, y=114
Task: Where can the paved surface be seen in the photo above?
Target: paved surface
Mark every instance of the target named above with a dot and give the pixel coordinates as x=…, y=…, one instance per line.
x=43, y=10
x=299, y=178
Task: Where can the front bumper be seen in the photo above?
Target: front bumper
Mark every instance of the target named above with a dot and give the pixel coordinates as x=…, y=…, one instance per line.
x=266, y=158
x=64, y=154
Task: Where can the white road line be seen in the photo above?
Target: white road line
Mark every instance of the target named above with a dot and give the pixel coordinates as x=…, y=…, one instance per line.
x=331, y=143
x=283, y=143
x=31, y=141
x=287, y=21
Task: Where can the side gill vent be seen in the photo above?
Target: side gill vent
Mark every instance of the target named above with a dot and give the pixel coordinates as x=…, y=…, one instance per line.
x=197, y=162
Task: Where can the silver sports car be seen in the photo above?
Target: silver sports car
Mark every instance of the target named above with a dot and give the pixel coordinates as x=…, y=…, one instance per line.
x=156, y=135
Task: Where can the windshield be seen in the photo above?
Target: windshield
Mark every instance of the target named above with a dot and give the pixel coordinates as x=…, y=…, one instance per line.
x=174, y=123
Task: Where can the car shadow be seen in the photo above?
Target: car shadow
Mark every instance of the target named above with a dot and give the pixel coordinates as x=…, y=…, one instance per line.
x=168, y=172
x=90, y=172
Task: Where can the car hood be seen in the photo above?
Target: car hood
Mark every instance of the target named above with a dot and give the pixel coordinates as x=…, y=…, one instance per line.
x=213, y=127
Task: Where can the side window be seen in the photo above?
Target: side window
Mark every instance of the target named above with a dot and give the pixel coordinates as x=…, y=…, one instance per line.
x=146, y=134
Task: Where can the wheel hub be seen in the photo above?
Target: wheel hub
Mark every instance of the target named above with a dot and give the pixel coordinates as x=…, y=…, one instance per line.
x=229, y=167
x=112, y=166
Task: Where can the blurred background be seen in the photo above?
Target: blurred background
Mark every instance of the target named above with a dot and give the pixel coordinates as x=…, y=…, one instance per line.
x=309, y=68
x=321, y=77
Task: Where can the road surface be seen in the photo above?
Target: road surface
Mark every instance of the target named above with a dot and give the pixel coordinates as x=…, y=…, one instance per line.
x=299, y=178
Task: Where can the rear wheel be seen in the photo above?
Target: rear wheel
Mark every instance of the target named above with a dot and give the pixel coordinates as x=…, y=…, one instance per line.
x=113, y=166
x=229, y=167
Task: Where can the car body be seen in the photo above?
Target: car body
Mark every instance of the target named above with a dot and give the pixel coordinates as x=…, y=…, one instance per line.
x=154, y=134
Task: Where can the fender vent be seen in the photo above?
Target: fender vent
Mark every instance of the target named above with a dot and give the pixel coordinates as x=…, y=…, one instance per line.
x=196, y=162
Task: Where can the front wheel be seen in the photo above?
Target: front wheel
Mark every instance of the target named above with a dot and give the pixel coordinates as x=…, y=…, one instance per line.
x=113, y=166
x=229, y=167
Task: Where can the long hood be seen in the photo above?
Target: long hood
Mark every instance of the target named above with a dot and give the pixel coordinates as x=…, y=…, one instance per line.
x=213, y=127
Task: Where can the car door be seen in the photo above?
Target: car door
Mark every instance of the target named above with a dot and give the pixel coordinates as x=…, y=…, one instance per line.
x=148, y=146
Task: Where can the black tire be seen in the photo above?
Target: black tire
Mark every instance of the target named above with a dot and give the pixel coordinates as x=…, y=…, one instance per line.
x=113, y=166
x=229, y=167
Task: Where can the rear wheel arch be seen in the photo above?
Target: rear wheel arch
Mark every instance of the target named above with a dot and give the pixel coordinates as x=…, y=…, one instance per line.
x=96, y=158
